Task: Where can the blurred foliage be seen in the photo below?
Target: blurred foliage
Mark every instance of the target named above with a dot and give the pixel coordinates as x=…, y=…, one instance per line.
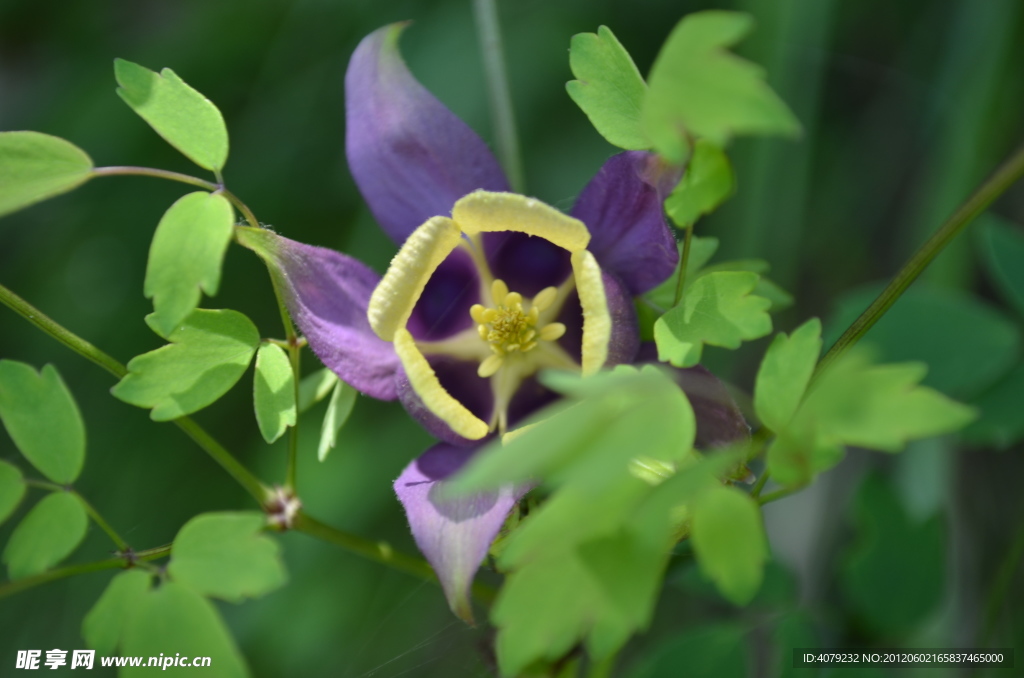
x=905, y=107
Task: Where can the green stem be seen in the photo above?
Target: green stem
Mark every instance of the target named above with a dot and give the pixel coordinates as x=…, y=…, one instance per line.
x=80, y=346
x=120, y=543
x=777, y=494
x=1004, y=177
x=755, y=492
x=998, y=594
x=489, y=31
x=72, y=341
x=294, y=356
x=120, y=562
x=602, y=669
x=182, y=178
x=380, y=552
x=681, y=281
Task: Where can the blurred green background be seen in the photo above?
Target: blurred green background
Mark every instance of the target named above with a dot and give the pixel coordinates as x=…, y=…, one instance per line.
x=906, y=106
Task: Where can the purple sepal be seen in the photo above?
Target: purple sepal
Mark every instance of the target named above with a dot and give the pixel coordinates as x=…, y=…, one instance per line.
x=719, y=419
x=622, y=208
x=327, y=294
x=454, y=533
x=410, y=156
x=443, y=308
x=460, y=379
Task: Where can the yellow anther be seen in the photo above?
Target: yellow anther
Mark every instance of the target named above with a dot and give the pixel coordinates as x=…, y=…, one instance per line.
x=545, y=298
x=499, y=290
x=508, y=329
x=490, y=365
x=552, y=331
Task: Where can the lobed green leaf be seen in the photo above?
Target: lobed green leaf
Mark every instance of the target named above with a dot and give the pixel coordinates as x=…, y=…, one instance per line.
x=185, y=257
x=718, y=309
x=343, y=399
x=698, y=89
x=182, y=116
x=609, y=88
x=707, y=183
x=206, y=356
x=226, y=555
x=173, y=619
x=104, y=624
x=274, y=392
x=43, y=420
x=46, y=535
x=12, y=489
x=1003, y=249
x=729, y=540
x=36, y=166
x=784, y=374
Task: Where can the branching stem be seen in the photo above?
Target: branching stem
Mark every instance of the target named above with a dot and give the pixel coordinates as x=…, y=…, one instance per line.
x=121, y=561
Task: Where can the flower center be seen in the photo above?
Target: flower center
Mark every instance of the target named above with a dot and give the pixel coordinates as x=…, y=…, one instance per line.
x=508, y=329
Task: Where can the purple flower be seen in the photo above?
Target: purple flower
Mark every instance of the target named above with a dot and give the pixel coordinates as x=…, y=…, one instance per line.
x=488, y=287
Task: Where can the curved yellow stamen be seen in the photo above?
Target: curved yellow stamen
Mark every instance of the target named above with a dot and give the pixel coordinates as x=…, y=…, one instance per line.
x=424, y=381
x=396, y=295
x=487, y=211
x=597, y=321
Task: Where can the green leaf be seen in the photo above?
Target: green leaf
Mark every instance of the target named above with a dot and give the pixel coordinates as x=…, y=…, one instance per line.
x=1000, y=423
x=186, y=256
x=105, y=623
x=699, y=89
x=894, y=576
x=784, y=374
x=48, y=534
x=205, y=358
x=12, y=489
x=613, y=416
x=35, y=166
x=43, y=420
x=226, y=555
x=701, y=251
x=717, y=650
x=966, y=343
x=601, y=588
x=343, y=399
x=708, y=181
x=172, y=620
x=717, y=309
x=880, y=407
x=182, y=116
x=274, y=392
x=609, y=88
x=314, y=387
x=1003, y=248
x=729, y=540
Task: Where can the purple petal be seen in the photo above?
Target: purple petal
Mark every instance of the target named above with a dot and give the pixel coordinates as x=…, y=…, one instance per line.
x=327, y=294
x=443, y=308
x=622, y=208
x=411, y=157
x=454, y=533
x=526, y=263
x=719, y=420
x=460, y=379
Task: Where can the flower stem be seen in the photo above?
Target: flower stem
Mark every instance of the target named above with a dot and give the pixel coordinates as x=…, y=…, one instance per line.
x=489, y=31
x=122, y=561
x=183, y=178
x=1004, y=177
x=381, y=552
x=681, y=281
x=775, y=495
x=80, y=346
x=755, y=492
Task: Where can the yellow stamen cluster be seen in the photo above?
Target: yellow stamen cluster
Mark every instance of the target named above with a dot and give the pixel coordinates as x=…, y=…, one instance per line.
x=510, y=329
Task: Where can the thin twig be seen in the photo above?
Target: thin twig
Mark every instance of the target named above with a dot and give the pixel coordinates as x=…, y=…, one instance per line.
x=489, y=30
